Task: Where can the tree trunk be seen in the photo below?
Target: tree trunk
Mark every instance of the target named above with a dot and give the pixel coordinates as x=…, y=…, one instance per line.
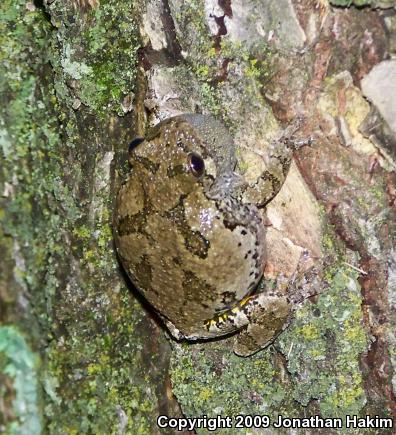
x=80, y=350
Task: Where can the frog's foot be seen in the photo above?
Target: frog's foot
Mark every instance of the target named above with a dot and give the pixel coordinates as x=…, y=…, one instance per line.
x=260, y=317
x=287, y=137
x=268, y=317
x=296, y=144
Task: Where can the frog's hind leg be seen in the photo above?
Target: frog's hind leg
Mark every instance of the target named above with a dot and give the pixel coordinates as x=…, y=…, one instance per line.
x=260, y=318
x=268, y=317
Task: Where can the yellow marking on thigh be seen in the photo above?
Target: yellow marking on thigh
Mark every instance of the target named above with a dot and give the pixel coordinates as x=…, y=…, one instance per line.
x=223, y=317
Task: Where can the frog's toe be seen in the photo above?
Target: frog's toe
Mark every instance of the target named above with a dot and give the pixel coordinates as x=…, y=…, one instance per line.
x=176, y=333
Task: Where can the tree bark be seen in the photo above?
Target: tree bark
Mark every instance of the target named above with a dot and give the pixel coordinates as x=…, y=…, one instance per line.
x=80, y=350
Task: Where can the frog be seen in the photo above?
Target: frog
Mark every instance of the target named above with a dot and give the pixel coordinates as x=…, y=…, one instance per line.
x=190, y=233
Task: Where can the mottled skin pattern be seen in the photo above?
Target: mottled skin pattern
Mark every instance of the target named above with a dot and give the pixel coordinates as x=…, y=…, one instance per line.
x=192, y=242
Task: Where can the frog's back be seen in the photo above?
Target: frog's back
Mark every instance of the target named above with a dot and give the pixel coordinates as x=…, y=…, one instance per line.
x=178, y=245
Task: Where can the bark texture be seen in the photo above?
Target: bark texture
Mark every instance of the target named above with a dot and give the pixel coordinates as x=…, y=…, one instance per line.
x=80, y=352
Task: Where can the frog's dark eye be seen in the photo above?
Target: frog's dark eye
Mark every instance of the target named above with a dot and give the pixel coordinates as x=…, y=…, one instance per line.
x=196, y=164
x=135, y=143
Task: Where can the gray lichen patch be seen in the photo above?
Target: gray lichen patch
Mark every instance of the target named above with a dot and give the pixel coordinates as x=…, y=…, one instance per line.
x=154, y=30
x=209, y=382
x=332, y=325
x=174, y=90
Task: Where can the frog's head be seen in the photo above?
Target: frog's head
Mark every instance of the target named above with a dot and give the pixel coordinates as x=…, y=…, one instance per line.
x=183, y=155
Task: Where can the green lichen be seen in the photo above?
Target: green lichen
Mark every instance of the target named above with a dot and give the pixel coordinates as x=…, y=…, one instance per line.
x=99, y=52
x=201, y=60
x=204, y=55
x=20, y=365
x=256, y=63
x=33, y=167
x=217, y=382
x=331, y=326
x=210, y=98
x=196, y=37
x=110, y=382
x=56, y=169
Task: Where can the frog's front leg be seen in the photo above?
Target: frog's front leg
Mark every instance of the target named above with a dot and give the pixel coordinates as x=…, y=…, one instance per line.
x=260, y=318
x=277, y=159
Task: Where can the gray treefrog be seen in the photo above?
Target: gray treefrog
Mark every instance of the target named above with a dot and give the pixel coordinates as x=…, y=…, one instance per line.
x=190, y=237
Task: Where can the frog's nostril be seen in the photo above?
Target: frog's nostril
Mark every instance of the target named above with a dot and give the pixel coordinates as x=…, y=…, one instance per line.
x=196, y=164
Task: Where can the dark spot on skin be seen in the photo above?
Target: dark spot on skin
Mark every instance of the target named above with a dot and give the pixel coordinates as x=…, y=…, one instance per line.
x=132, y=224
x=197, y=244
x=194, y=241
x=255, y=255
x=195, y=289
x=176, y=260
x=228, y=299
x=249, y=252
x=172, y=171
x=239, y=244
x=256, y=275
x=229, y=225
x=243, y=232
x=246, y=256
x=251, y=273
x=275, y=182
x=147, y=163
x=181, y=145
x=285, y=161
x=142, y=273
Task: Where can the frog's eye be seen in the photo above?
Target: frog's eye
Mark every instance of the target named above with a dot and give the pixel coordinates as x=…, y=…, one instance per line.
x=196, y=164
x=135, y=143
